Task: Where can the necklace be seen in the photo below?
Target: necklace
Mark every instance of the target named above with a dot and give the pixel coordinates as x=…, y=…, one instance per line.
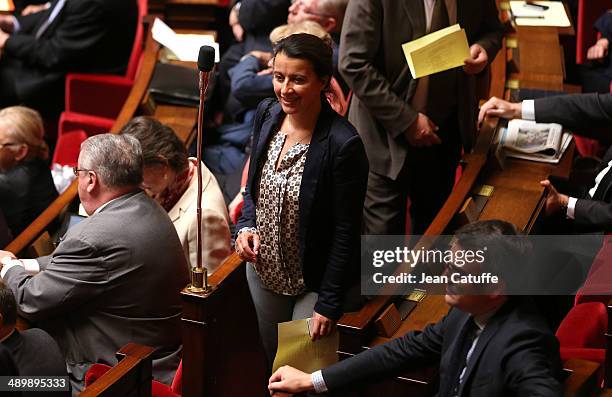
x=300, y=140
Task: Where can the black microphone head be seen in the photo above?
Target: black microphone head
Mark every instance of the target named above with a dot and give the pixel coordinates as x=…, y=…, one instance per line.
x=206, y=59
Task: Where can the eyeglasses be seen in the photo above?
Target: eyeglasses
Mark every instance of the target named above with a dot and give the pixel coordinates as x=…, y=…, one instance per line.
x=77, y=169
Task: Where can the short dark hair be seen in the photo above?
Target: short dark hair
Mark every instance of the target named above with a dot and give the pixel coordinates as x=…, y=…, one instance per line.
x=159, y=143
x=507, y=249
x=8, y=305
x=310, y=48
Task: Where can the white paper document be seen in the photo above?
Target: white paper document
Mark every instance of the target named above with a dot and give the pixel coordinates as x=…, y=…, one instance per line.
x=186, y=47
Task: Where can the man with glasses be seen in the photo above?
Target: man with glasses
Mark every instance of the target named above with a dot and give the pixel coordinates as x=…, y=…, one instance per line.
x=489, y=344
x=115, y=277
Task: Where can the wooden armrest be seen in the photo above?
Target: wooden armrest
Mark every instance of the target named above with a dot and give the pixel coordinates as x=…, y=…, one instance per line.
x=583, y=378
x=131, y=376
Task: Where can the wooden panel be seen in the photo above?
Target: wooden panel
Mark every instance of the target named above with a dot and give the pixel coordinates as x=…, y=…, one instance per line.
x=130, y=377
x=222, y=353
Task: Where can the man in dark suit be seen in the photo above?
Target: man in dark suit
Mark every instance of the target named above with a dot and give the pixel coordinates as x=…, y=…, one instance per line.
x=34, y=351
x=489, y=344
x=115, y=277
x=591, y=209
x=38, y=50
x=413, y=130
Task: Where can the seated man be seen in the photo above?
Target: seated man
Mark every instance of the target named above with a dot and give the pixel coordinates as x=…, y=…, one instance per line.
x=597, y=74
x=39, y=49
x=489, y=344
x=33, y=350
x=115, y=277
x=591, y=211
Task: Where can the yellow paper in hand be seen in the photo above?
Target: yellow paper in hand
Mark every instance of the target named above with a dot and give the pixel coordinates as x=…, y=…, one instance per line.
x=436, y=52
x=295, y=348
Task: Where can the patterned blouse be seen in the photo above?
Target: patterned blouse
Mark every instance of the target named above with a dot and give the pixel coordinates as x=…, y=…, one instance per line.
x=278, y=264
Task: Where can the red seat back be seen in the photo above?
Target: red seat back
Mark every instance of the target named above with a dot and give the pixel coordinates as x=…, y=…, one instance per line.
x=136, y=56
x=68, y=147
x=586, y=36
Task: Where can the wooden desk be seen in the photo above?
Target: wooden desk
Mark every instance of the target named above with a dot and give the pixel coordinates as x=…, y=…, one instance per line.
x=517, y=198
x=196, y=14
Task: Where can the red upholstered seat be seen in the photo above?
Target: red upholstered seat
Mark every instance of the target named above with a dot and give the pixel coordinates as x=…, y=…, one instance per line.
x=158, y=389
x=103, y=95
x=586, y=36
x=68, y=147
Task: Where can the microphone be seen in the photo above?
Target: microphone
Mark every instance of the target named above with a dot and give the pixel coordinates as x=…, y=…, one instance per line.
x=206, y=62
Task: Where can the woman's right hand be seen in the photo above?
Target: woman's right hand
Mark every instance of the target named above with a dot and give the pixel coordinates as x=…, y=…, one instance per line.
x=247, y=246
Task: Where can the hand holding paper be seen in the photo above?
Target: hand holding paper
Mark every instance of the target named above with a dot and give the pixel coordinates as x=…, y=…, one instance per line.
x=436, y=52
x=477, y=61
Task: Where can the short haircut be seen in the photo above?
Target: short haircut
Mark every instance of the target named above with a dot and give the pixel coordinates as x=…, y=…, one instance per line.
x=25, y=126
x=8, y=305
x=116, y=159
x=159, y=143
x=507, y=249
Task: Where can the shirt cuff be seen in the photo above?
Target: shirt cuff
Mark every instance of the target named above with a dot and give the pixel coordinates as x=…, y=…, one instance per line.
x=528, y=109
x=31, y=266
x=571, y=207
x=318, y=382
x=16, y=25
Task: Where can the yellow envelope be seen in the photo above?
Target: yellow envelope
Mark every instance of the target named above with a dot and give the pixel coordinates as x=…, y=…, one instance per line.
x=295, y=348
x=438, y=51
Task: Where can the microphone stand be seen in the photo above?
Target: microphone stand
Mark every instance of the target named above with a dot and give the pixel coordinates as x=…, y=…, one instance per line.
x=199, y=274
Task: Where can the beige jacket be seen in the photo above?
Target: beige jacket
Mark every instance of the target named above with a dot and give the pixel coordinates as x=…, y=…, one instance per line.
x=215, y=226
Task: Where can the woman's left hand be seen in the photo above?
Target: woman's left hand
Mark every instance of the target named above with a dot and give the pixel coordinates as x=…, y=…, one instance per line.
x=321, y=326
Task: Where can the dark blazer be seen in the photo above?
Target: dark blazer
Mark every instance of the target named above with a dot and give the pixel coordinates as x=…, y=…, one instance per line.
x=36, y=353
x=330, y=204
x=258, y=18
x=26, y=190
x=516, y=355
x=114, y=278
x=88, y=36
x=373, y=65
x=579, y=112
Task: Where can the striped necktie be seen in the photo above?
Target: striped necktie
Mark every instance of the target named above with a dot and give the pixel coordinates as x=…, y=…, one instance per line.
x=52, y=15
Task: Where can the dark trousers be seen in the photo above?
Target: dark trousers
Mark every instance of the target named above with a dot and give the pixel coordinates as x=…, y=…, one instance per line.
x=427, y=178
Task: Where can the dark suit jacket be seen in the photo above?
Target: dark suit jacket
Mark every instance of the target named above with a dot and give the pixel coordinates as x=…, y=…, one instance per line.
x=88, y=36
x=258, y=18
x=516, y=355
x=115, y=278
x=25, y=191
x=330, y=204
x=36, y=353
x=578, y=112
x=373, y=65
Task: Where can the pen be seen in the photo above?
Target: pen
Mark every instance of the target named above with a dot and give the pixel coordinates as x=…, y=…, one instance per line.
x=531, y=16
x=538, y=6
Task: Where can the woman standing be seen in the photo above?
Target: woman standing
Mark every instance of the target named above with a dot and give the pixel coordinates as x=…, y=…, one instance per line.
x=301, y=220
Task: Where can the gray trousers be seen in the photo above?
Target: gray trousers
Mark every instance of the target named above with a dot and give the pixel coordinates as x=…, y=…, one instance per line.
x=273, y=308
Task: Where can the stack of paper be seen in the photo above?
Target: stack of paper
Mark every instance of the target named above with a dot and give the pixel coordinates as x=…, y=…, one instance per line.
x=554, y=15
x=295, y=347
x=186, y=47
x=6, y=6
x=438, y=51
